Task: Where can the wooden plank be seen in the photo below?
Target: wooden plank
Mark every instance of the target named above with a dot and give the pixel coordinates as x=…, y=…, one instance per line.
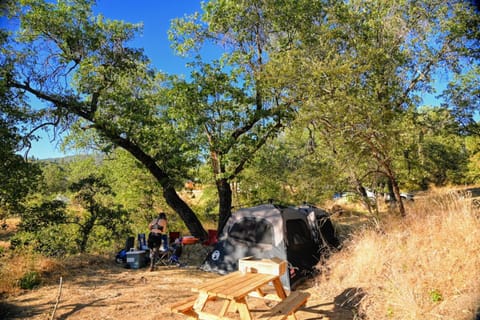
x=287, y=307
x=214, y=283
x=183, y=305
x=243, y=309
x=279, y=288
x=244, y=286
x=235, y=285
x=273, y=266
x=200, y=301
x=225, y=307
x=268, y=296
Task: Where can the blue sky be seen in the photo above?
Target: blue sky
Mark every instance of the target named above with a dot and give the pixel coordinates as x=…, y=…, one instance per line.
x=156, y=16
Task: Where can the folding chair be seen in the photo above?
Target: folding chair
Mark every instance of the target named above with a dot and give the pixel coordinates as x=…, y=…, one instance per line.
x=172, y=255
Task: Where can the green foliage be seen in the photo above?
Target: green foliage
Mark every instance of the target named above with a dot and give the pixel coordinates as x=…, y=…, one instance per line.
x=41, y=216
x=436, y=295
x=473, y=147
x=346, y=78
x=94, y=195
x=30, y=280
x=50, y=229
x=232, y=104
x=437, y=154
x=19, y=176
x=363, y=77
x=103, y=90
x=44, y=228
x=133, y=187
x=461, y=97
x=54, y=179
x=52, y=241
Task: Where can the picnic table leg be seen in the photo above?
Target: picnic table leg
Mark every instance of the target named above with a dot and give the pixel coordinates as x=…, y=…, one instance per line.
x=226, y=306
x=242, y=308
x=260, y=292
x=279, y=288
x=200, y=303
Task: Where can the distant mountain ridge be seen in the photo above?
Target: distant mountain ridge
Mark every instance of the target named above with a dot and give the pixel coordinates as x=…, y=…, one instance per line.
x=98, y=158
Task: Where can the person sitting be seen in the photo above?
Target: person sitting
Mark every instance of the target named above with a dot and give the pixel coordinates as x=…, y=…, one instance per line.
x=157, y=235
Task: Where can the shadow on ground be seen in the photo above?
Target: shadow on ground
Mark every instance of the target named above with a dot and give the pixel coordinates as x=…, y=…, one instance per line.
x=13, y=311
x=343, y=307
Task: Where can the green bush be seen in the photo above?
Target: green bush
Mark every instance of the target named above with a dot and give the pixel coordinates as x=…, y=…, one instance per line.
x=55, y=241
x=30, y=280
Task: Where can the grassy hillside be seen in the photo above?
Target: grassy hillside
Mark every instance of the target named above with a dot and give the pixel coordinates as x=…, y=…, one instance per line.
x=426, y=266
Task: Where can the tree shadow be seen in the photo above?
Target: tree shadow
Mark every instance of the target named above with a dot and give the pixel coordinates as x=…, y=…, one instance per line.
x=9, y=311
x=475, y=192
x=79, y=306
x=345, y=307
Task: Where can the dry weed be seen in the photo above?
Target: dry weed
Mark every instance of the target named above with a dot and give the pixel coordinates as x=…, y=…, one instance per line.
x=424, y=266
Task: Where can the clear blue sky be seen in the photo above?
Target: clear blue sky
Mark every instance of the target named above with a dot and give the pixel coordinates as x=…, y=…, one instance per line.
x=155, y=16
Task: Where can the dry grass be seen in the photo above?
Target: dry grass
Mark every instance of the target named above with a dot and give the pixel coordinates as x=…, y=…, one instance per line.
x=424, y=266
x=14, y=265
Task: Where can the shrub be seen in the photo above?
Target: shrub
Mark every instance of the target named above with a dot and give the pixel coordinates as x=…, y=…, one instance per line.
x=30, y=280
x=54, y=241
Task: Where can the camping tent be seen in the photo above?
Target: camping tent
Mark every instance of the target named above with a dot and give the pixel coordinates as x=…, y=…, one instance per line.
x=324, y=232
x=268, y=231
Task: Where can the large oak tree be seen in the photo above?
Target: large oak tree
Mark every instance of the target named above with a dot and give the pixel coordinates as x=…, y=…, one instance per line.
x=93, y=83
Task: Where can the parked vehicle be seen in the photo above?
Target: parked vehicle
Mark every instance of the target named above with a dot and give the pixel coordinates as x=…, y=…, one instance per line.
x=372, y=195
x=404, y=195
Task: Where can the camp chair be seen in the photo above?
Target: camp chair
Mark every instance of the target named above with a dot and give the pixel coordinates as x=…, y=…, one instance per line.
x=142, y=242
x=172, y=236
x=172, y=255
x=212, y=238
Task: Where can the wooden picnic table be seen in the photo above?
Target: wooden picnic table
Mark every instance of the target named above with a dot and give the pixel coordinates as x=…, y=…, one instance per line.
x=233, y=289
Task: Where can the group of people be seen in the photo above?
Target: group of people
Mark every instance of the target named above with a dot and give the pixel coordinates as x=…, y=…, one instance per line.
x=157, y=238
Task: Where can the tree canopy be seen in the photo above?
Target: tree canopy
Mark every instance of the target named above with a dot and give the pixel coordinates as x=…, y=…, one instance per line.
x=342, y=82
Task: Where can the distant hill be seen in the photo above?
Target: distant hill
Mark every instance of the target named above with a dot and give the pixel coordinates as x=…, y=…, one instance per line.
x=61, y=160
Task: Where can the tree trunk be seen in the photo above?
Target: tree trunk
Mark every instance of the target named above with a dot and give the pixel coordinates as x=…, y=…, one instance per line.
x=396, y=190
x=169, y=193
x=86, y=229
x=225, y=198
x=183, y=210
x=391, y=193
x=363, y=192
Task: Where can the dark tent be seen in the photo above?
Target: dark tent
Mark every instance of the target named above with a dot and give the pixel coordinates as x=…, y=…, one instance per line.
x=324, y=232
x=268, y=231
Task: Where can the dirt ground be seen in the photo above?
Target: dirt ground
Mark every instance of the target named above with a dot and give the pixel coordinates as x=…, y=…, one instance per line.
x=102, y=289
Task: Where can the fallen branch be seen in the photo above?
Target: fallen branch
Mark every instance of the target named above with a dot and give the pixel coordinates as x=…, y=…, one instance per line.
x=58, y=299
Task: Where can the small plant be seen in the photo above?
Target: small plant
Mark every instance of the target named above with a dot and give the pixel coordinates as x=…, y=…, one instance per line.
x=436, y=295
x=30, y=280
x=389, y=312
